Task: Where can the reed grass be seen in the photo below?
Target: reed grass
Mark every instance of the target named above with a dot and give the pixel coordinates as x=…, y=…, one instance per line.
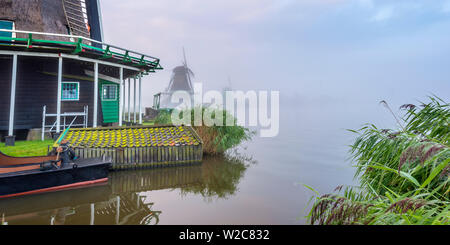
x=359, y=208
x=217, y=139
x=404, y=173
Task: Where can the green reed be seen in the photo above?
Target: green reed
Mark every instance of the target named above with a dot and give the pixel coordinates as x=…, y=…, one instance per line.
x=404, y=173
x=217, y=139
x=356, y=207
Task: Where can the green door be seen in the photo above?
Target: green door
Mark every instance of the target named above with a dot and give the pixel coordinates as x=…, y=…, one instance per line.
x=4, y=24
x=110, y=101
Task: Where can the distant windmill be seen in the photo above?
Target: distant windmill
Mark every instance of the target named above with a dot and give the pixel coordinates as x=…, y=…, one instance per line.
x=226, y=89
x=181, y=80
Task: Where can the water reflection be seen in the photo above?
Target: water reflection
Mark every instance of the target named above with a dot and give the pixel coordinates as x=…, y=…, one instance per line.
x=120, y=201
x=219, y=176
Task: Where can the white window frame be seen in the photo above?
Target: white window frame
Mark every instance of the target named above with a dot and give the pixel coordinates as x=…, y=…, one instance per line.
x=103, y=90
x=13, y=35
x=78, y=91
x=13, y=28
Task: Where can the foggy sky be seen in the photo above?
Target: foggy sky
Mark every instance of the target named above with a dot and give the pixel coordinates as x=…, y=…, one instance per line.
x=354, y=51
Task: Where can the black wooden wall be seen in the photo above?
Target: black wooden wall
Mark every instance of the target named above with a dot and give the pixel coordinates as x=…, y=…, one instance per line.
x=37, y=86
x=93, y=9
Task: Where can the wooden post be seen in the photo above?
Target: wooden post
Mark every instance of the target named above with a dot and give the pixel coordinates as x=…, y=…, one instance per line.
x=129, y=111
x=140, y=98
x=121, y=99
x=134, y=99
x=86, y=114
x=123, y=103
x=94, y=124
x=13, y=96
x=58, y=102
x=43, y=123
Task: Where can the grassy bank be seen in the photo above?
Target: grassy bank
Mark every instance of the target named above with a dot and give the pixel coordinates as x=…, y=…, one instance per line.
x=404, y=173
x=216, y=139
x=27, y=148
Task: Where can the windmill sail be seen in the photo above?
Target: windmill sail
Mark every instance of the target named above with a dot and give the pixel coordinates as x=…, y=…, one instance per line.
x=188, y=72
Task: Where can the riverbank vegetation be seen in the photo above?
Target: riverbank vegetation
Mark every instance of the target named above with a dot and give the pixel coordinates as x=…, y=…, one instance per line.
x=404, y=174
x=216, y=139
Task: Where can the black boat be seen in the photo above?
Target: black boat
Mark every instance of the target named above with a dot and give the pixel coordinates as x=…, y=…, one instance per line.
x=30, y=175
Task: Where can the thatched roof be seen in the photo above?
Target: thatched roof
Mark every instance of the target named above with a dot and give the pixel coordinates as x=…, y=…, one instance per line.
x=35, y=15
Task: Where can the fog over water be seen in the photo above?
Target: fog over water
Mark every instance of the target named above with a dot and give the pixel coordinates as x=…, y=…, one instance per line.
x=331, y=61
x=354, y=51
x=263, y=186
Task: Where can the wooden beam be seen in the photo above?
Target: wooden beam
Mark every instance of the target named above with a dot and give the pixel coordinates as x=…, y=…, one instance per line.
x=134, y=99
x=13, y=96
x=94, y=124
x=58, y=96
x=69, y=56
x=129, y=111
x=121, y=99
x=140, y=98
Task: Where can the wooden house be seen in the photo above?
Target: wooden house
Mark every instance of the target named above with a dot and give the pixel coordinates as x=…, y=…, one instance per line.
x=56, y=70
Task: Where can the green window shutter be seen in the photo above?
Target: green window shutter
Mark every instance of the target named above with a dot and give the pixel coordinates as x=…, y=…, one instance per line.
x=4, y=24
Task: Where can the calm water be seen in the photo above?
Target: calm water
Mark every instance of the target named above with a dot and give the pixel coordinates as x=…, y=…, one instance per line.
x=260, y=184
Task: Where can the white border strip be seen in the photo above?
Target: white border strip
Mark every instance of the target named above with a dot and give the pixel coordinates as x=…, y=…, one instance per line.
x=72, y=36
x=69, y=56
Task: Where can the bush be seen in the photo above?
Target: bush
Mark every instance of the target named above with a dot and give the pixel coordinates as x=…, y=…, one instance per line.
x=163, y=117
x=216, y=139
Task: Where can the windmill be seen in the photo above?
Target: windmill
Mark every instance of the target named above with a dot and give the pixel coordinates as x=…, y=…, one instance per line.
x=226, y=89
x=181, y=80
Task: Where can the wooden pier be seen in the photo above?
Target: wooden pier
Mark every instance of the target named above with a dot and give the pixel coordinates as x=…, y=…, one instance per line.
x=139, y=146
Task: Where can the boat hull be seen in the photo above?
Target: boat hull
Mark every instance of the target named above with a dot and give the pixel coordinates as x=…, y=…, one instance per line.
x=82, y=173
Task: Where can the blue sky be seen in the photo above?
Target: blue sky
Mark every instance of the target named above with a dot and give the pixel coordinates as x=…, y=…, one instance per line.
x=359, y=51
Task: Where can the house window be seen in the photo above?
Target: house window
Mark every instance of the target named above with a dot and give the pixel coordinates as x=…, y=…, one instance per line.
x=109, y=92
x=9, y=25
x=70, y=91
